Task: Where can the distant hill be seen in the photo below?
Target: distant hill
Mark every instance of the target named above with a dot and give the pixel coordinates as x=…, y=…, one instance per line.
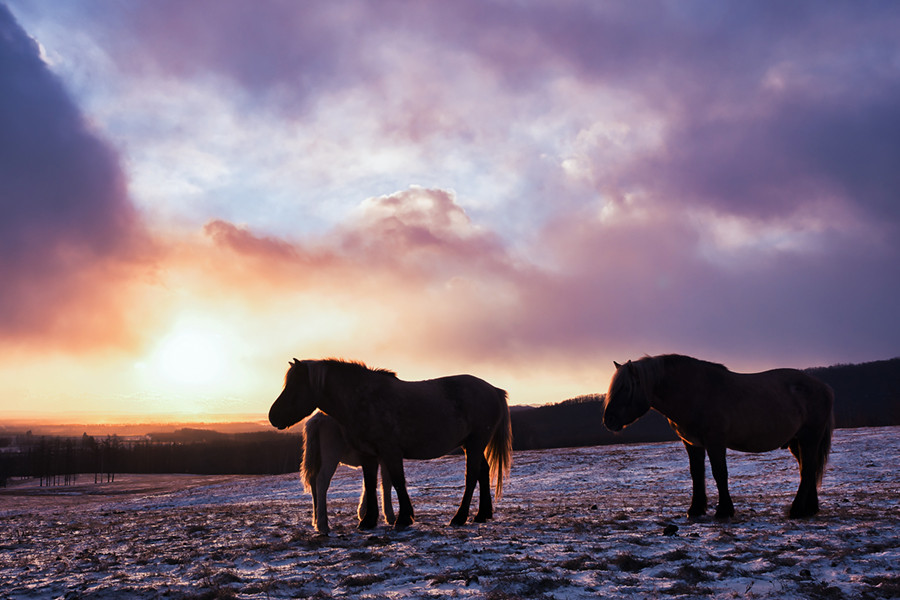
x=866, y=395
x=579, y=422
x=187, y=435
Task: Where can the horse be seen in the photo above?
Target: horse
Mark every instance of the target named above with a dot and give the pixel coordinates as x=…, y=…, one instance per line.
x=712, y=408
x=324, y=447
x=387, y=419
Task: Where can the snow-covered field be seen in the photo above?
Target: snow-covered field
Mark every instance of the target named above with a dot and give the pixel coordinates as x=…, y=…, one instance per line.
x=573, y=523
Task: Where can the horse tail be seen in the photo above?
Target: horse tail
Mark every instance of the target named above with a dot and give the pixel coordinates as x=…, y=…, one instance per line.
x=825, y=442
x=499, y=449
x=312, y=454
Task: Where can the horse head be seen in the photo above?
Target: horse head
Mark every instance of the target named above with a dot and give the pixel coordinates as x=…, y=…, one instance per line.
x=627, y=399
x=302, y=383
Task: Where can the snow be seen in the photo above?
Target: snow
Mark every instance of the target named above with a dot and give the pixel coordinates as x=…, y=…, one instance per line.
x=605, y=521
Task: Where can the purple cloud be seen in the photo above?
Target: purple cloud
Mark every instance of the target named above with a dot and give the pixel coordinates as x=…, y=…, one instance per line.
x=779, y=121
x=63, y=196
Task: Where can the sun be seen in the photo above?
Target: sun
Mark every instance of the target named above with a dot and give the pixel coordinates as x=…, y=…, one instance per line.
x=190, y=355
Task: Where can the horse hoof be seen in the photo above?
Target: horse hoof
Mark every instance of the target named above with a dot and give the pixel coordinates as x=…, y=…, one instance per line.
x=802, y=514
x=723, y=515
x=402, y=523
x=457, y=522
x=482, y=518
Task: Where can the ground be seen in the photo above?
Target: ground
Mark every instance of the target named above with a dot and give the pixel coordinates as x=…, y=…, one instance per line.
x=573, y=523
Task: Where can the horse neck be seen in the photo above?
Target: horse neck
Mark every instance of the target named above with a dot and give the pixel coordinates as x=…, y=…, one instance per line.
x=329, y=391
x=665, y=384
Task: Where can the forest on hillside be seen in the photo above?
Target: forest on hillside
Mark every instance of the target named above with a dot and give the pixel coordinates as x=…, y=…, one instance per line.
x=866, y=395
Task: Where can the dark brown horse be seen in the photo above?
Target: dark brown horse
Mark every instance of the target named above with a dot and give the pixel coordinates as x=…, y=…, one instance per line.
x=325, y=446
x=387, y=419
x=712, y=408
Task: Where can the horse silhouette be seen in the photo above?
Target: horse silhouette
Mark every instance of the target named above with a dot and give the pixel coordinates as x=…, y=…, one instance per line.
x=387, y=419
x=712, y=408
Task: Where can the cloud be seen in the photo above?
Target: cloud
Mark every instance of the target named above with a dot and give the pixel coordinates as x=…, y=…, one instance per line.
x=412, y=275
x=280, y=51
x=757, y=110
x=67, y=229
x=626, y=178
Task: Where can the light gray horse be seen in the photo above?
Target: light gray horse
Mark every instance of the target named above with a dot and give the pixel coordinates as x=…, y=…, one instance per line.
x=324, y=447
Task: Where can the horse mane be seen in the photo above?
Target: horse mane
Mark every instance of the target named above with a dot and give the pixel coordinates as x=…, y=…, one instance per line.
x=649, y=369
x=355, y=366
x=678, y=360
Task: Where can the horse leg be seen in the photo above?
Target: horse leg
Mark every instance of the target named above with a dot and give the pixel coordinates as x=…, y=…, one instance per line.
x=806, y=502
x=697, y=458
x=319, y=490
x=363, y=500
x=394, y=465
x=725, y=507
x=315, y=511
x=386, y=507
x=370, y=482
x=485, y=506
x=473, y=472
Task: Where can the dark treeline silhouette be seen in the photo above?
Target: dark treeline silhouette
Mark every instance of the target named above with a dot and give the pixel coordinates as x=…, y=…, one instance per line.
x=866, y=395
x=579, y=422
x=57, y=460
x=60, y=460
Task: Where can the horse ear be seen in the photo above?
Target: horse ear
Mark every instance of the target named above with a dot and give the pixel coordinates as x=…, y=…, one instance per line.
x=617, y=365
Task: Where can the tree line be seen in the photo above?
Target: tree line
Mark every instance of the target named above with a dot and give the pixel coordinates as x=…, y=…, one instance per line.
x=55, y=460
x=866, y=395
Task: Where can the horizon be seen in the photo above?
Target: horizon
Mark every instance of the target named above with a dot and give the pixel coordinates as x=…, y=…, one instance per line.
x=75, y=423
x=77, y=428
x=196, y=193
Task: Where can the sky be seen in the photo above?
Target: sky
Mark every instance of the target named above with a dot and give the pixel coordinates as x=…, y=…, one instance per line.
x=194, y=193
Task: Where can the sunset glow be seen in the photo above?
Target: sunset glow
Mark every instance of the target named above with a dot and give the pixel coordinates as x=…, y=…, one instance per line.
x=190, y=357
x=194, y=193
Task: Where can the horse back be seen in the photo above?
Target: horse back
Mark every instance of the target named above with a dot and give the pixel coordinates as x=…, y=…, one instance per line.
x=750, y=412
x=432, y=417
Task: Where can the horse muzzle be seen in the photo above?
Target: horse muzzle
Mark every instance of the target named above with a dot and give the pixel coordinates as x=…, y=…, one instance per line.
x=279, y=420
x=613, y=425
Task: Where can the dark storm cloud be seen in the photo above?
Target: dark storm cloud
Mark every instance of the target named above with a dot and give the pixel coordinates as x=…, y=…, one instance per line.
x=63, y=196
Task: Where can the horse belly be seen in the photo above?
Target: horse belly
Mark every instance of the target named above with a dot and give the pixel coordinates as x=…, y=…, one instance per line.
x=429, y=447
x=763, y=439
